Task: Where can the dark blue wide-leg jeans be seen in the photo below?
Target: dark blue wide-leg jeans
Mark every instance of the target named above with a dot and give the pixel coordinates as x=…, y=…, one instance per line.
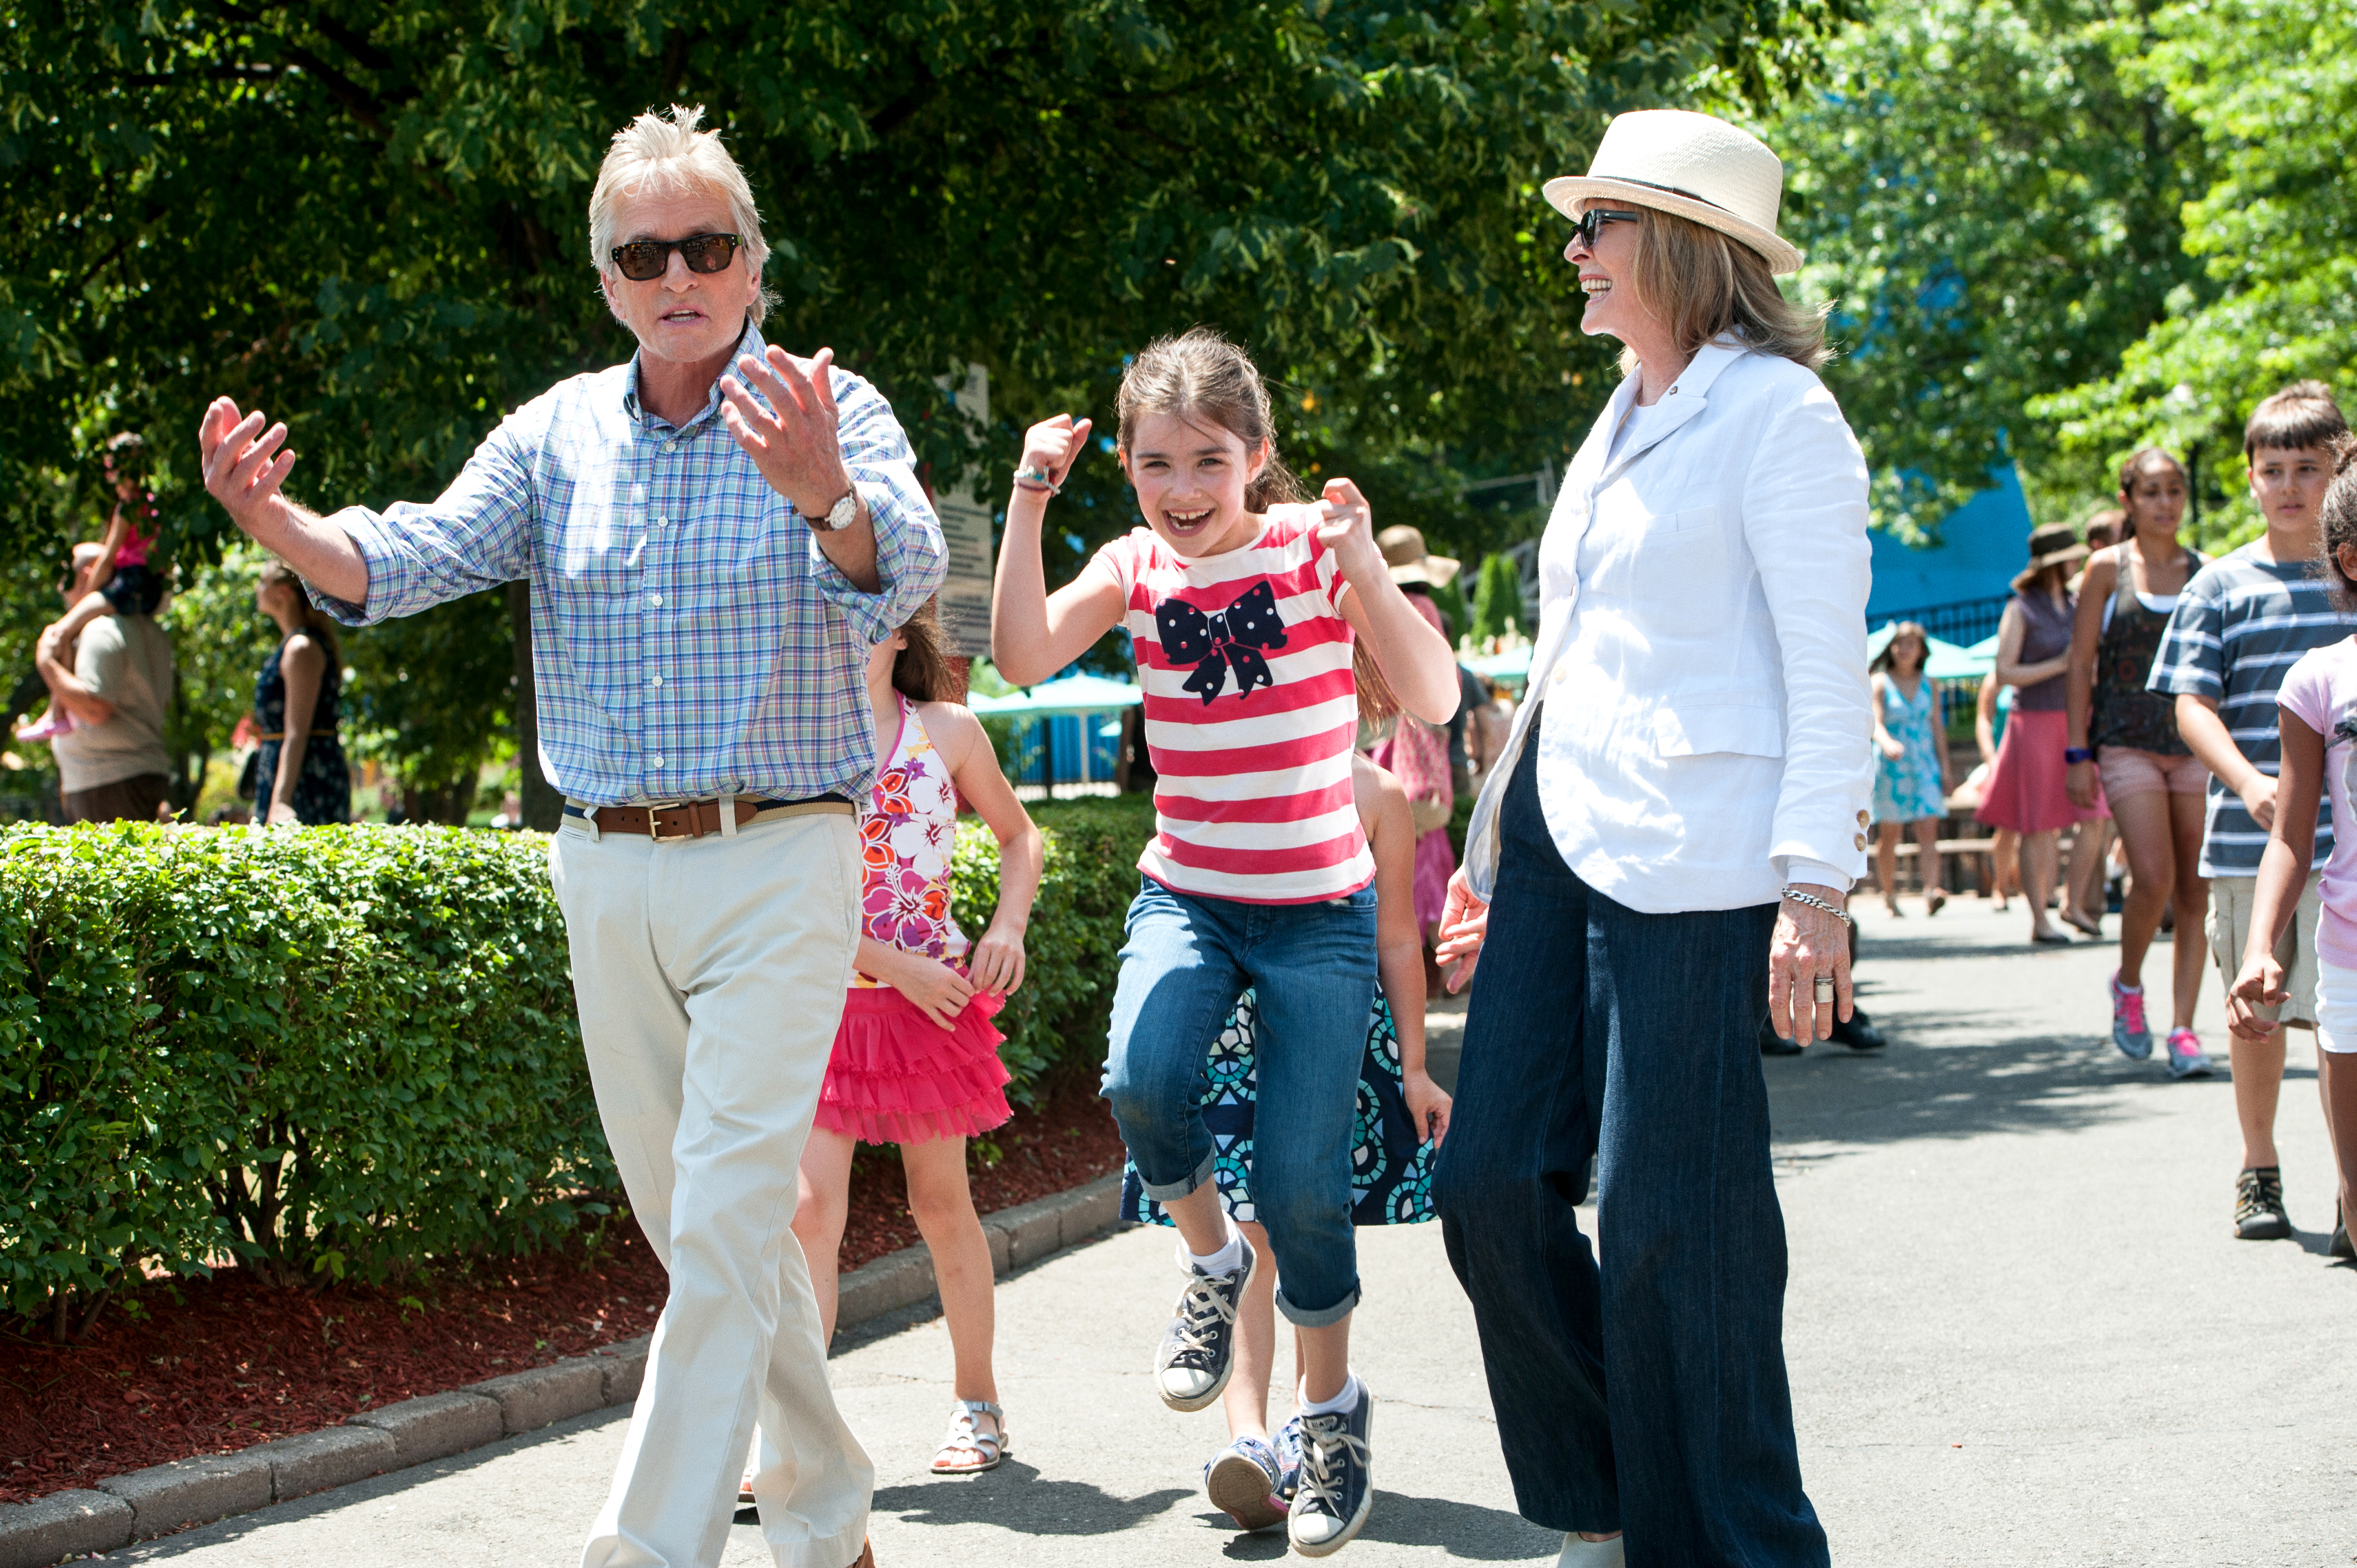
x=1643, y=1387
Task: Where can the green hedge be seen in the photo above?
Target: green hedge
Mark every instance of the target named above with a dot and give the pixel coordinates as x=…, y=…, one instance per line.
x=1074, y=946
x=341, y=1050
x=354, y=1050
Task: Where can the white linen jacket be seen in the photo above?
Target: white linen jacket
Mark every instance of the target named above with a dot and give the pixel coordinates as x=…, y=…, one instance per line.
x=1701, y=650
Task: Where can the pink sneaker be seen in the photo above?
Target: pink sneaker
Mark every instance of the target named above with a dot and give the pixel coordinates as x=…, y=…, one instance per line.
x=2128, y=1029
x=2186, y=1057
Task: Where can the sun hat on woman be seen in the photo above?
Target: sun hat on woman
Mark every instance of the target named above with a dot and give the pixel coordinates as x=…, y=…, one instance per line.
x=1696, y=166
x=2054, y=544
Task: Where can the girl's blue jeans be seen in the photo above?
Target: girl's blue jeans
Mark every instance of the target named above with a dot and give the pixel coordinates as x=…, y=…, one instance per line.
x=1313, y=968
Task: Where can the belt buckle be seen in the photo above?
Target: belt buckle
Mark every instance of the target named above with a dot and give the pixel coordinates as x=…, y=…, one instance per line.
x=655, y=822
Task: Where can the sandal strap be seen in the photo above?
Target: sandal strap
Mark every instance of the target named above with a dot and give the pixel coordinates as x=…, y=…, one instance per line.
x=966, y=1432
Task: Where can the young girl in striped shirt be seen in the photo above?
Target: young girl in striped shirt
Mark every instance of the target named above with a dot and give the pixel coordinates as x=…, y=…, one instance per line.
x=1242, y=604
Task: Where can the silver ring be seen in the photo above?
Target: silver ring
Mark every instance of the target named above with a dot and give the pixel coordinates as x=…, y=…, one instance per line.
x=1824, y=988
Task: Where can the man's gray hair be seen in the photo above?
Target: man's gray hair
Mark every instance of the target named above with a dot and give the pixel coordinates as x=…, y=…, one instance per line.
x=667, y=152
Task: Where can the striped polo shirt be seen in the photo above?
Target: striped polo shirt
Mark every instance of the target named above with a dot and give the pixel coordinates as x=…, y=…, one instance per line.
x=2239, y=627
x=1250, y=715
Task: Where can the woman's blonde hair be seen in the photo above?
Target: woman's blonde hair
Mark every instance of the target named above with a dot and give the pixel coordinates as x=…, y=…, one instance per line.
x=667, y=154
x=276, y=574
x=1200, y=376
x=1702, y=285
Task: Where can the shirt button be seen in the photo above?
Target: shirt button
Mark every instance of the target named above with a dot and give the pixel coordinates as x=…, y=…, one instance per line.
x=1862, y=818
x=655, y=599
x=1558, y=676
x=657, y=680
x=658, y=763
x=663, y=522
x=1858, y=839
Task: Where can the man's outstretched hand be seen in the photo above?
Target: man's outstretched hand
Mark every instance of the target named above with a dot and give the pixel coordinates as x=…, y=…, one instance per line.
x=793, y=440
x=243, y=465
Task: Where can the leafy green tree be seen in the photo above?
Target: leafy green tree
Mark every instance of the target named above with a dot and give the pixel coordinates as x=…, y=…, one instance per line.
x=1498, y=599
x=369, y=220
x=2271, y=87
x=220, y=638
x=1988, y=195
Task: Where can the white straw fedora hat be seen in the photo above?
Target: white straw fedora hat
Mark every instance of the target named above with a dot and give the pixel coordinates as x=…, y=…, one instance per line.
x=1695, y=166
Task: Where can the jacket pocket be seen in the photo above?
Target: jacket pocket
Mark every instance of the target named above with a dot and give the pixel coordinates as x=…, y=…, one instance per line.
x=1699, y=729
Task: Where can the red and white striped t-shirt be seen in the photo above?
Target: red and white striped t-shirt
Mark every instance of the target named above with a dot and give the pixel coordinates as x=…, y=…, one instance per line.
x=1250, y=715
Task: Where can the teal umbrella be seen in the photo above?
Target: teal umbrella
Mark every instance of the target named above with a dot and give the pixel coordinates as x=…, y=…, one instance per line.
x=1049, y=699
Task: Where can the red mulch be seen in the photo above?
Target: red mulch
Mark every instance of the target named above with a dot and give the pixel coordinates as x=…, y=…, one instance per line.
x=193, y=1367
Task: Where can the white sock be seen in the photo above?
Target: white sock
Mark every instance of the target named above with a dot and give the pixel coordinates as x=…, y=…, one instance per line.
x=1347, y=1400
x=2132, y=989
x=1226, y=1261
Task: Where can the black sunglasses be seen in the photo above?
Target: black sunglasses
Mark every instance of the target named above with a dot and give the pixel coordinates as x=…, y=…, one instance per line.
x=642, y=260
x=1590, y=223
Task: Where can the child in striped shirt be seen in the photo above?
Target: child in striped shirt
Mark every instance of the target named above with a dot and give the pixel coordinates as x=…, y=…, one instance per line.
x=1243, y=605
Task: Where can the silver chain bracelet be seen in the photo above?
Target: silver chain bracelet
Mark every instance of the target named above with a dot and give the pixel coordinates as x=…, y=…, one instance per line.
x=1813, y=902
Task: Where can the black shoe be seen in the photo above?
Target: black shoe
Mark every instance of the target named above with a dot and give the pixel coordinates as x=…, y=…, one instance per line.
x=1773, y=1043
x=2340, y=1247
x=2259, y=1206
x=1859, y=1034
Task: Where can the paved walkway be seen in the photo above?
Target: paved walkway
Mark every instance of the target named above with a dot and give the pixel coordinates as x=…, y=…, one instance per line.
x=2020, y=1332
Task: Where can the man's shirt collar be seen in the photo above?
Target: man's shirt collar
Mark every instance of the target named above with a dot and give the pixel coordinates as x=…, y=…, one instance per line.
x=749, y=343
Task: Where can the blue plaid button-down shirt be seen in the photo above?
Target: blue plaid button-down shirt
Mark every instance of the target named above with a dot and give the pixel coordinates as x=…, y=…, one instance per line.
x=688, y=636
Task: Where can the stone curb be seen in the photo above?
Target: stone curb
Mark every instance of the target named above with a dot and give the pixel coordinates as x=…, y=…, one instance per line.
x=165, y=1497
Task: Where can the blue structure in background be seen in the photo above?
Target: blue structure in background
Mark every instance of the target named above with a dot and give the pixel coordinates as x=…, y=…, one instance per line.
x=1958, y=588
x=1063, y=737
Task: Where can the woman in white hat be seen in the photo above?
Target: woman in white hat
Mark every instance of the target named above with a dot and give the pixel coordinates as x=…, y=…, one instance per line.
x=1662, y=856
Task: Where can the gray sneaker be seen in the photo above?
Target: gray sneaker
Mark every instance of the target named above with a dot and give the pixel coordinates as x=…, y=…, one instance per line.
x=1337, y=1485
x=1199, y=1349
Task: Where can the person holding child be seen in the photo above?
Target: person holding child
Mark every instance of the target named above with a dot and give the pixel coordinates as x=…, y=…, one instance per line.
x=1243, y=607
x=1662, y=857
x=1910, y=773
x=2240, y=626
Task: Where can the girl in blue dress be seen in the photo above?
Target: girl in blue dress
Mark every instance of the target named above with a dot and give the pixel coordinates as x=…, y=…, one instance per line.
x=1910, y=774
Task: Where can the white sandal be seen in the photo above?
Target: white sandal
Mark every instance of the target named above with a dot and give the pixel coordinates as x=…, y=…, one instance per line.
x=966, y=1436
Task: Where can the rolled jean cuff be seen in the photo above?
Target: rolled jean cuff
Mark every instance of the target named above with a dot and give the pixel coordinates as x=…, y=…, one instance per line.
x=1324, y=1316
x=1164, y=1192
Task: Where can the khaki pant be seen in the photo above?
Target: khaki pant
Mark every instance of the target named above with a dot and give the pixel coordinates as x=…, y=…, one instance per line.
x=2228, y=926
x=710, y=976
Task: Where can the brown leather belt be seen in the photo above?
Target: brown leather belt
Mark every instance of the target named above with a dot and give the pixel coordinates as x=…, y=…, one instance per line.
x=698, y=819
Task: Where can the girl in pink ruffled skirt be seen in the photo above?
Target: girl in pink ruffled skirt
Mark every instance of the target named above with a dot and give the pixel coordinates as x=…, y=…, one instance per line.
x=916, y=1058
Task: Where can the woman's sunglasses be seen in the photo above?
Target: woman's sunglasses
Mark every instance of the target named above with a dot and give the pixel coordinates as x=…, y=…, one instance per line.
x=1590, y=223
x=642, y=260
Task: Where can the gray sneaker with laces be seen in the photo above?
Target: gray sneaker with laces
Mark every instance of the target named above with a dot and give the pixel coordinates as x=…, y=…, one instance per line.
x=1336, y=1485
x=1199, y=1349
x=2259, y=1206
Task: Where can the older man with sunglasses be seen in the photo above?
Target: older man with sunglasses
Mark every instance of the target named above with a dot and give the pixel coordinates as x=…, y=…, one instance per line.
x=708, y=597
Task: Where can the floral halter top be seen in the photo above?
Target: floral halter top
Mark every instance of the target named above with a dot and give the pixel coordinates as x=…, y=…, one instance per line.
x=907, y=838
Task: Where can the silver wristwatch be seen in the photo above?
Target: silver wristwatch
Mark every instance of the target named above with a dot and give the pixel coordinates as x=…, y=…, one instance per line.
x=842, y=514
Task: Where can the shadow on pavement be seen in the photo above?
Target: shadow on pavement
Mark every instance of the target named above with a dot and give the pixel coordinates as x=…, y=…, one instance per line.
x=1015, y=1497
x=1924, y=1087
x=1462, y=1529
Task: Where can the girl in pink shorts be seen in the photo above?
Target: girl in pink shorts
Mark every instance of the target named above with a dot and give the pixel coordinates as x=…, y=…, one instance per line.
x=2151, y=779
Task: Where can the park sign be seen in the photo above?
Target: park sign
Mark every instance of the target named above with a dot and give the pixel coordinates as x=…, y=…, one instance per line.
x=965, y=512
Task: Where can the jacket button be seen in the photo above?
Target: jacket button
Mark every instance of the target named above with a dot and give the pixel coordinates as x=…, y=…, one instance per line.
x=1862, y=818
x=1858, y=839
